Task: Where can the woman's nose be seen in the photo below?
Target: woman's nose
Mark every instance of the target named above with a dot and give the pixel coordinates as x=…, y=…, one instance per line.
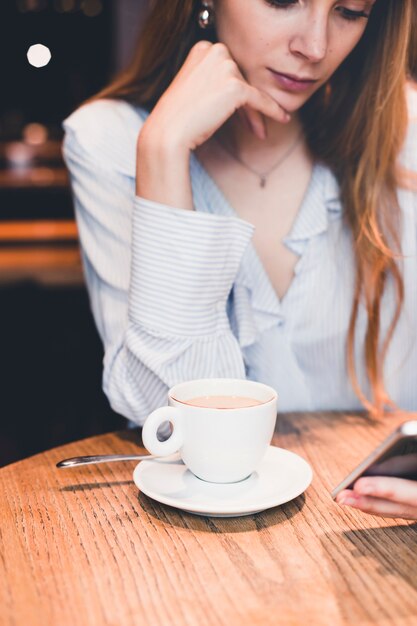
x=311, y=39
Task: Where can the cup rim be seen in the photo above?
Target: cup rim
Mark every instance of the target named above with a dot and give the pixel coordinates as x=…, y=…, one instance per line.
x=274, y=395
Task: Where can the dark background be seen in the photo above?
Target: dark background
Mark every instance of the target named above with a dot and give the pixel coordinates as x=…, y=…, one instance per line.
x=51, y=356
x=81, y=49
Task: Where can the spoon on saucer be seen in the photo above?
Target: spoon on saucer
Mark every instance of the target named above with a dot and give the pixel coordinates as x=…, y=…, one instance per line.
x=103, y=458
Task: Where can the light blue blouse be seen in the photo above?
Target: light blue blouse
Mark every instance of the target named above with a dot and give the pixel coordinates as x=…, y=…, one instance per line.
x=179, y=295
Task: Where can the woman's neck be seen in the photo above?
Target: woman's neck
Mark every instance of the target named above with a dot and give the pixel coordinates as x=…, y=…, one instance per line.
x=241, y=140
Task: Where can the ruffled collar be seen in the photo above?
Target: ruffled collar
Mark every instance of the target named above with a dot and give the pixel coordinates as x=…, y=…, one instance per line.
x=321, y=205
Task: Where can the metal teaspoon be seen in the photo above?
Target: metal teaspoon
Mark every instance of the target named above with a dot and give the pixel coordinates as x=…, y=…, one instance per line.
x=103, y=458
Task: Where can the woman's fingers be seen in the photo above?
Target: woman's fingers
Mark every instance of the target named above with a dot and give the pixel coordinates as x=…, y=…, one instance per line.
x=241, y=113
x=264, y=104
x=207, y=57
x=384, y=496
x=389, y=488
x=198, y=52
x=258, y=107
x=257, y=104
x=377, y=506
x=196, y=55
x=206, y=92
x=255, y=121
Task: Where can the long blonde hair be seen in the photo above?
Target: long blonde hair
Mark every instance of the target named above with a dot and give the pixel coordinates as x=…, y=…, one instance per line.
x=365, y=112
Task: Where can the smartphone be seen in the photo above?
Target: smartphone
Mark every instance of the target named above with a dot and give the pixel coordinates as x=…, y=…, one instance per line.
x=396, y=456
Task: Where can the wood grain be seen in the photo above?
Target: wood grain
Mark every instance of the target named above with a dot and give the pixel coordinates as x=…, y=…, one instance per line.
x=83, y=547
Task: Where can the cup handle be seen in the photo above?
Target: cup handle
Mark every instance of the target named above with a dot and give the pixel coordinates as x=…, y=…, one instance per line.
x=150, y=429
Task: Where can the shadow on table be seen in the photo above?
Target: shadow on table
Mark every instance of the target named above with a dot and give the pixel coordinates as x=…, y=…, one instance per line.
x=180, y=519
x=95, y=485
x=392, y=550
x=379, y=566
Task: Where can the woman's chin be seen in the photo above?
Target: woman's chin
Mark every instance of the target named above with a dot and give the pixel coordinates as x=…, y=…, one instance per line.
x=290, y=102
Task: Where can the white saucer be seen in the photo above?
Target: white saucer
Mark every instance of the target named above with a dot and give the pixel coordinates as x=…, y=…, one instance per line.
x=281, y=477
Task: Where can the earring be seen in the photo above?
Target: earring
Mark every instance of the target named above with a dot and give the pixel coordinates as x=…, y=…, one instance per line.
x=206, y=15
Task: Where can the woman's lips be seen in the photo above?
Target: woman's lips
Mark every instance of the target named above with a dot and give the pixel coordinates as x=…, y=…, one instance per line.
x=292, y=83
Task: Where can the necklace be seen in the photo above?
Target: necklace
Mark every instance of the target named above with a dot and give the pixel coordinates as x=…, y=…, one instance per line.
x=263, y=176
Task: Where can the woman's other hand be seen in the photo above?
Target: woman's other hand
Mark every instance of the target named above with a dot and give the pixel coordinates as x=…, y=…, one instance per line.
x=382, y=495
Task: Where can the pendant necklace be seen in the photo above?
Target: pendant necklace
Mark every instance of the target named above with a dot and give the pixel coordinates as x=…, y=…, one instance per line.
x=263, y=176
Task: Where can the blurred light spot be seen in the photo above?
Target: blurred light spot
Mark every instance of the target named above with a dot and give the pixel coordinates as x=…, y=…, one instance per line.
x=35, y=134
x=31, y=5
x=39, y=55
x=64, y=6
x=92, y=8
x=18, y=154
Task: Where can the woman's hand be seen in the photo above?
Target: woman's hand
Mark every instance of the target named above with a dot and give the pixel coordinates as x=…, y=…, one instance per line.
x=208, y=90
x=382, y=495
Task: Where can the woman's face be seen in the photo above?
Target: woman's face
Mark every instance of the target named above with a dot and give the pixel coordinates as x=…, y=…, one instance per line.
x=276, y=42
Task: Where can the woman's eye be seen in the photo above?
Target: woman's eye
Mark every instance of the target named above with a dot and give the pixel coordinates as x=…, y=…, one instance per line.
x=348, y=14
x=281, y=4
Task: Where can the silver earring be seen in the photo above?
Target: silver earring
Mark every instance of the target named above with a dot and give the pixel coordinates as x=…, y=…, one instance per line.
x=205, y=16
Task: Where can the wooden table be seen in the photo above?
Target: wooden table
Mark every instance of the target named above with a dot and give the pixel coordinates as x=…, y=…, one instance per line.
x=82, y=546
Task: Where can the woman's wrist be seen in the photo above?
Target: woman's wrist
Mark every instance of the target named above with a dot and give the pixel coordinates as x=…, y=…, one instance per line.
x=160, y=143
x=163, y=171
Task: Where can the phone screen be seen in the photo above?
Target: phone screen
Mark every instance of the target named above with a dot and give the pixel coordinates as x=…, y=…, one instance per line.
x=399, y=461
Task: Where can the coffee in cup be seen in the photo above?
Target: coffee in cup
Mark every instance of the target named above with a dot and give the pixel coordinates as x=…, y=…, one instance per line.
x=223, y=402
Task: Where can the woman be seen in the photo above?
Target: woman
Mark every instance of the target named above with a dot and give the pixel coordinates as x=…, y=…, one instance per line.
x=241, y=211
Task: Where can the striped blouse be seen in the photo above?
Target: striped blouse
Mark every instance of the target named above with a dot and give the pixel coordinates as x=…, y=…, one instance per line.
x=179, y=295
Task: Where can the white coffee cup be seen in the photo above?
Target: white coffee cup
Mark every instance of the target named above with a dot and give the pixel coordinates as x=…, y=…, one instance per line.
x=218, y=445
